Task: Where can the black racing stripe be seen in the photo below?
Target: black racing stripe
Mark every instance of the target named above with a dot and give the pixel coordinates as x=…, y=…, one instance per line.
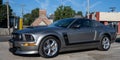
x=66, y=38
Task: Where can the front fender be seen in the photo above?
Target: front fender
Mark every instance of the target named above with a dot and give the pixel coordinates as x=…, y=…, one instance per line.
x=50, y=33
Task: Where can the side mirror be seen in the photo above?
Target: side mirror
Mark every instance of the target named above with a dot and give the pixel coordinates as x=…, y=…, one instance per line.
x=76, y=26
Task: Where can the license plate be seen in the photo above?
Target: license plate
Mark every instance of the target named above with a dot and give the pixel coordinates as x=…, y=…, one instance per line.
x=11, y=45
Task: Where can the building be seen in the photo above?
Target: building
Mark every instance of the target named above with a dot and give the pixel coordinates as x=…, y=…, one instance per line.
x=42, y=20
x=108, y=18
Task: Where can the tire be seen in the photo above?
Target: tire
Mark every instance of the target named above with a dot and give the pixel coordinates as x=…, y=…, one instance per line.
x=49, y=47
x=104, y=44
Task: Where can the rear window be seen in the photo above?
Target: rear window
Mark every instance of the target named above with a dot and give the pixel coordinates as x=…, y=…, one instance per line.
x=96, y=23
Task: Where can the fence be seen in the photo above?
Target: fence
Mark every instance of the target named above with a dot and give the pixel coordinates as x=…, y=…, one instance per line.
x=5, y=31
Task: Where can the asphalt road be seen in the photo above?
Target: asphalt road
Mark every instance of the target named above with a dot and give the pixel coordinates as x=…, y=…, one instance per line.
x=92, y=54
x=4, y=38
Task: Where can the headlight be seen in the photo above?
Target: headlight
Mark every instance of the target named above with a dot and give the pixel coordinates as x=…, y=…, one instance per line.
x=17, y=37
x=20, y=36
x=29, y=37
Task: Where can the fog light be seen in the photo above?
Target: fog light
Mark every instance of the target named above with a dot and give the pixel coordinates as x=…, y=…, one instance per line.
x=28, y=44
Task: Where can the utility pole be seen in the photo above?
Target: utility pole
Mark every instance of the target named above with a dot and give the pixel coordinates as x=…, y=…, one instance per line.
x=88, y=8
x=14, y=22
x=21, y=19
x=8, y=25
x=22, y=10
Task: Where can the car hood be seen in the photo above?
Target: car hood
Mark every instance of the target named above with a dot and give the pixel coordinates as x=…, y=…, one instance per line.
x=37, y=29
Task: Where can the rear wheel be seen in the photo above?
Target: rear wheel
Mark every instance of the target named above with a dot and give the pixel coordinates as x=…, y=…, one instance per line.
x=49, y=47
x=105, y=43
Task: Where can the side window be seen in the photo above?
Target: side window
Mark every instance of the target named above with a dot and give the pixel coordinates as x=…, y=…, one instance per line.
x=82, y=23
x=87, y=23
x=76, y=24
x=98, y=24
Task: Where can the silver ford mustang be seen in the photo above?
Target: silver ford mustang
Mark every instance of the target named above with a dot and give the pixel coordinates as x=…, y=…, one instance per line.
x=63, y=35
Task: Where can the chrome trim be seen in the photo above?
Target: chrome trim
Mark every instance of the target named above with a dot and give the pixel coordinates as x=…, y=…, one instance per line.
x=50, y=47
x=26, y=52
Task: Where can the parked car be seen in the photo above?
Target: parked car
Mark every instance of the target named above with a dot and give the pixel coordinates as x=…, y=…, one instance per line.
x=63, y=35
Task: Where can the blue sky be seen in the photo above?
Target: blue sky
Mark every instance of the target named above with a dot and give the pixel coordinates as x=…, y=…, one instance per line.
x=51, y=5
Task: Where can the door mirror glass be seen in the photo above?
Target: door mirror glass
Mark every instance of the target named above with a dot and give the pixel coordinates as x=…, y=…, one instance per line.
x=76, y=26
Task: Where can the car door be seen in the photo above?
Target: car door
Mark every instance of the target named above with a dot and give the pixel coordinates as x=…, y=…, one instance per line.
x=81, y=31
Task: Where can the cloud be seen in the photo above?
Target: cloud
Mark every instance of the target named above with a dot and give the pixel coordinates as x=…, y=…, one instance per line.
x=74, y=3
x=43, y=4
x=95, y=4
x=84, y=4
x=63, y=2
x=11, y=1
x=38, y=1
x=80, y=5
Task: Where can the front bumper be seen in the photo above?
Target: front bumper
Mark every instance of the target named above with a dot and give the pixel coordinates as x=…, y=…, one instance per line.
x=17, y=48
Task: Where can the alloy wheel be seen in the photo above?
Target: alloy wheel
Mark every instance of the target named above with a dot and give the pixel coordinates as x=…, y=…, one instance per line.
x=50, y=47
x=106, y=43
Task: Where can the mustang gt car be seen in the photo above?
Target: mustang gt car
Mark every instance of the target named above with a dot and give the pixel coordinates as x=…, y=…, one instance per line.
x=63, y=35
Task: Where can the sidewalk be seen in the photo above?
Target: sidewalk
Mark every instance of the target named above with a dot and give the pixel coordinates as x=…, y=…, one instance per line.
x=4, y=38
x=118, y=36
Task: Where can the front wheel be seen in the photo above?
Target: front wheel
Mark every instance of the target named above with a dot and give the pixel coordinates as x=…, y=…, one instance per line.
x=49, y=47
x=105, y=44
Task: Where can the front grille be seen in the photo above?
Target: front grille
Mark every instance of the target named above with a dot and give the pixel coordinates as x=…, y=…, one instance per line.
x=17, y=37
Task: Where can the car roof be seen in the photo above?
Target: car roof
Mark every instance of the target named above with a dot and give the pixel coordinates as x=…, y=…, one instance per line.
x=80, y=19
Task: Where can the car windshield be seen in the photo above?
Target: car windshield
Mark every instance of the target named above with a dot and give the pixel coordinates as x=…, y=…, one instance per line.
x=62, y=23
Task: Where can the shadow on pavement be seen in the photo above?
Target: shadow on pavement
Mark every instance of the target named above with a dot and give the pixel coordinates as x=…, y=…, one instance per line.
x=28, y=55
x=61, y=53
x=4, y=38
x=118, y=40
x=23, y=55
x=76, y=51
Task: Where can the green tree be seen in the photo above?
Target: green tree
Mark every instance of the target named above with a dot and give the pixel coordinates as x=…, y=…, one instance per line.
x=34, y=14
x=30, y=17
x=79, y=13
x=3, y=14
x=27, y=19
x=0, y=2
x=64, y=12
